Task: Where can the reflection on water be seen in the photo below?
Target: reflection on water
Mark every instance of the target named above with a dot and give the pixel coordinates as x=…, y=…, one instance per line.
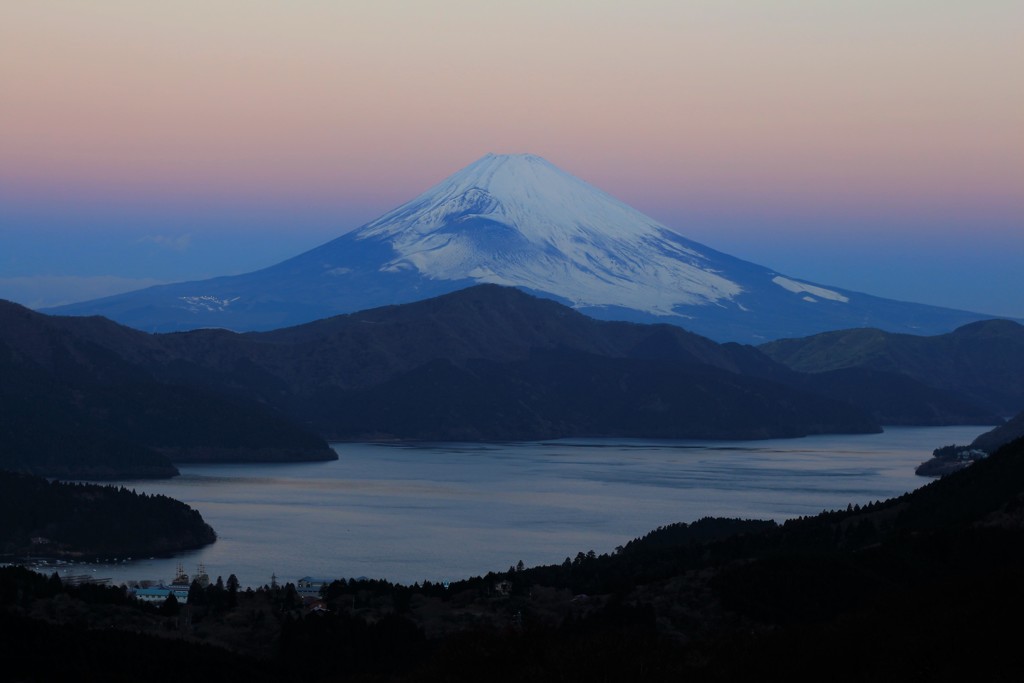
x=411, y=512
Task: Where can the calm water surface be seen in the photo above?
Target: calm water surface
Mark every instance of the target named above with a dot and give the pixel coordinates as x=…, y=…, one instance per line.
x=448, y=511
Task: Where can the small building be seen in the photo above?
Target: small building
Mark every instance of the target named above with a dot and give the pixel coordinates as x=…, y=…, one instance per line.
x=158, y=594
x=179, y=587
x=309, y=586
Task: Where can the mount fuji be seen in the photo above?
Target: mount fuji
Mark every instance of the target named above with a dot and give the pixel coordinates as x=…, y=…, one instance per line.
x=517, y=220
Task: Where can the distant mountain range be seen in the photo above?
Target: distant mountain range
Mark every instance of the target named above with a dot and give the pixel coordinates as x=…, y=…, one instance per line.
x=519, y=221
x=981, y=362
x=485, y=363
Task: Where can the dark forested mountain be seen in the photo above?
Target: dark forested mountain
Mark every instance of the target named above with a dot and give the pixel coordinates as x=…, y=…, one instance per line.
x=480, y=351
x=483, y=363
x=493, y=363
x=78, y=401
x=982, y=362
x=86, y=520
x=992, y=440
x=86, y=397
x=895, y=399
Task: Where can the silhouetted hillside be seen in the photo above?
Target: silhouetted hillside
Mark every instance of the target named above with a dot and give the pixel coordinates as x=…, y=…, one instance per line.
x=79, y=399
x=493, y=363
x=483, y=363
x=75, y=520
x=982, y=362
x=993, y=440
x=892, y=398
x=561, y=392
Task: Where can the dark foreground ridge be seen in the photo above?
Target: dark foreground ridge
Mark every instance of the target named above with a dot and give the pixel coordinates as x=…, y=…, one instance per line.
x=921, y=587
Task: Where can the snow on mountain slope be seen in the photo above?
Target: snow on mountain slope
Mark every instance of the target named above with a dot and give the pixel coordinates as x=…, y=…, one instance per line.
x=798, y=287
x=517, y=220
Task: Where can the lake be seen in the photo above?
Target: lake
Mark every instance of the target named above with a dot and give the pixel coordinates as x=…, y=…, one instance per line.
x=410, y=512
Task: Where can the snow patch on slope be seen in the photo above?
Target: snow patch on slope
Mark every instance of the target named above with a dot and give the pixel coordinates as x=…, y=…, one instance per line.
x=803, y=287
x=207, y=303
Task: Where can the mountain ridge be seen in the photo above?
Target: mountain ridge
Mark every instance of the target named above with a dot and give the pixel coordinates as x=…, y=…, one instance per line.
x=78, y=401
x=481, y=364
x=982, y=361
x=486, y=363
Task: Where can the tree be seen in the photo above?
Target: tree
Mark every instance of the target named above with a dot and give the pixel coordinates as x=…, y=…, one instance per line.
x=290, y=597
x=54, y=584
x=196, y=594
x=170, y=606
x=232, y=591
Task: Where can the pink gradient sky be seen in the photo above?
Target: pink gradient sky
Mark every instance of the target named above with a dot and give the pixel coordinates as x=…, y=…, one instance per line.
x=796, y=134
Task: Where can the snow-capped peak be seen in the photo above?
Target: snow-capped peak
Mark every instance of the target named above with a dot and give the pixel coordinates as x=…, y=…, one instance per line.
x=524, y=190
x=519, y=220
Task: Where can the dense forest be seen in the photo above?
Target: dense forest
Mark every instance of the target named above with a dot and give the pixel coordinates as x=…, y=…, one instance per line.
x=920, y=587
x=56, y=519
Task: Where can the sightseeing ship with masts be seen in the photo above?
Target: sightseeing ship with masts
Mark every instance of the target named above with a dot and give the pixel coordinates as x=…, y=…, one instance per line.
x=179, y=587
